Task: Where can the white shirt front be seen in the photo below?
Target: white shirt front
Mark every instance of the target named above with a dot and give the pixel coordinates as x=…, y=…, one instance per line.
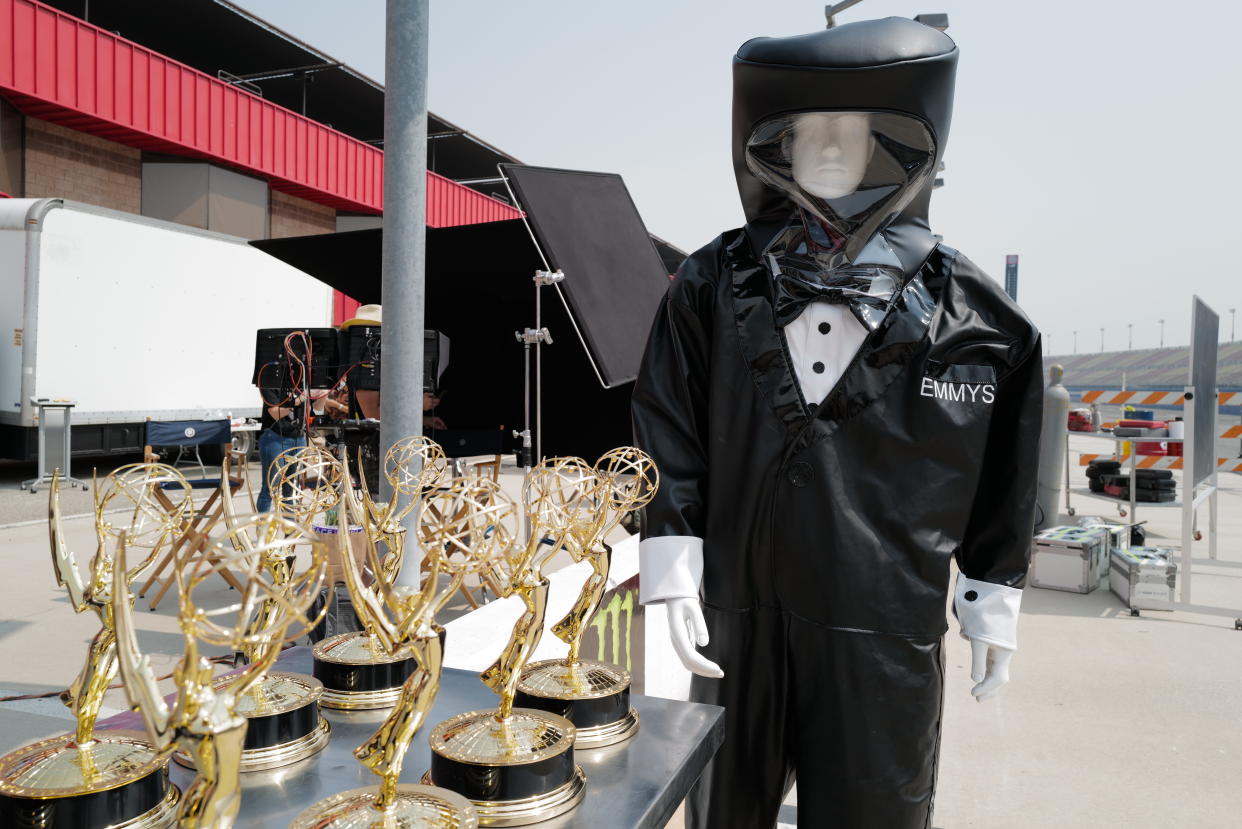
x=822, y=343
x=824, y=338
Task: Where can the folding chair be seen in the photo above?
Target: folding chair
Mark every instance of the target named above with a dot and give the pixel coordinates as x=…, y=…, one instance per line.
x=493, y=465
x=461, y=444
x=193, y=539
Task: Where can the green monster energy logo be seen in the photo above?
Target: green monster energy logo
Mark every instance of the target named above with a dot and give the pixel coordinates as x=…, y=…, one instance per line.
x=609, y=617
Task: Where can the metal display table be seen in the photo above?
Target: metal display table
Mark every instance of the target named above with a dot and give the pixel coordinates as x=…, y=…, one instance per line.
x=637, y=784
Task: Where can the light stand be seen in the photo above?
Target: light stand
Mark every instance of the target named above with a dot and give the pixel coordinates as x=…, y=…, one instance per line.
x=833, y=9
x=536, y=336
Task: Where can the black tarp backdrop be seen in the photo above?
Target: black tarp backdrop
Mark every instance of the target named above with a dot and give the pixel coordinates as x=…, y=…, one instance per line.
x=479, y=293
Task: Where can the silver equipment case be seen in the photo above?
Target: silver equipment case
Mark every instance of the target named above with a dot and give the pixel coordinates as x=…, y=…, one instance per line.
x=1145, y=578
x=1069, y=558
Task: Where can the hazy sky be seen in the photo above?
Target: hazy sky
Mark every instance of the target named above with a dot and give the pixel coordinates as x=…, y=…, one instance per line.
x=1100, y=140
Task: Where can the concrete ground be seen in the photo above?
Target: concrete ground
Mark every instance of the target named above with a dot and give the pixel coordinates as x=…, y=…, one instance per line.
x=17, y=504
x=1108, y=720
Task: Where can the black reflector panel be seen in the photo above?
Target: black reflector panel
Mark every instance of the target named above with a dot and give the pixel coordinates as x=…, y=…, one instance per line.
x=588, y=227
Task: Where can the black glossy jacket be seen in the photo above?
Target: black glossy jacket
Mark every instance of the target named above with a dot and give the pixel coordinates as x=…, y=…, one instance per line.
x=846, y=515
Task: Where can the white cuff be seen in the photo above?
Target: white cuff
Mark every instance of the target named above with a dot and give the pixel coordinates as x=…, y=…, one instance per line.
x=987, y=612
x=670, y=567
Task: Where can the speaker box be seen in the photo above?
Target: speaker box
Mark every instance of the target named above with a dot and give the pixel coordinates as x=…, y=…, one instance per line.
x=279, y=367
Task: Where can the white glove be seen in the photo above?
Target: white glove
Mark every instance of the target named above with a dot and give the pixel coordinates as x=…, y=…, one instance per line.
x=672, y=568
x=688, y=630
x=989, y=669
x=988, y=614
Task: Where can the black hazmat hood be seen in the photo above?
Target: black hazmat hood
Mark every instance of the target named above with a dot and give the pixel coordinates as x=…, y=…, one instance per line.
x=897, y=72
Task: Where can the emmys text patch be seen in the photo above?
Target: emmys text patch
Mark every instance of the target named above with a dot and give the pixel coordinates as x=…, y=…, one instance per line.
x=957, y=383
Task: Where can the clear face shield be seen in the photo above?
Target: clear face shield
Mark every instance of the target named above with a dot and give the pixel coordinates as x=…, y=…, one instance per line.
x=851, y=173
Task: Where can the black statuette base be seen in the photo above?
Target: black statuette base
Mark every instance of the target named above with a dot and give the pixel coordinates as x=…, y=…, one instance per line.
x=583, y=713
x=594, y=696
x=356, y=676
x=525, y=811
x=149, y=802
x=352, y=679
x=516, y=770
x=497, y=782
x=362, y=686
x=274, y=729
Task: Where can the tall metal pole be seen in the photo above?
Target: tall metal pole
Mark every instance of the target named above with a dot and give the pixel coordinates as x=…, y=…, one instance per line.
x=405, y=234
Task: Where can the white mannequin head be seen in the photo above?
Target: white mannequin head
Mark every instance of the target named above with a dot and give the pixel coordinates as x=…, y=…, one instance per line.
x=830, y=152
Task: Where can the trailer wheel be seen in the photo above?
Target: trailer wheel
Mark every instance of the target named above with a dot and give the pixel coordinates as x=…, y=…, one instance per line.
x=241, y=443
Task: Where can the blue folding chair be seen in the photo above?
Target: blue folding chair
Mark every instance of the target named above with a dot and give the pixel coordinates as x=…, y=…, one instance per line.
x=183, y=434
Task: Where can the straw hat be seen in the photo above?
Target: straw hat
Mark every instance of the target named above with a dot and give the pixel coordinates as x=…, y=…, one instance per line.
x=366, y=315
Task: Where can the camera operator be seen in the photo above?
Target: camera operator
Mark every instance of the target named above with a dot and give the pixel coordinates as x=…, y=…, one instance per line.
x=284, y=427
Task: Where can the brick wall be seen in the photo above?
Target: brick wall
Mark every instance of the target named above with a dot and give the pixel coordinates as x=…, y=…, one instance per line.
x=64, y=163
x=292, y=216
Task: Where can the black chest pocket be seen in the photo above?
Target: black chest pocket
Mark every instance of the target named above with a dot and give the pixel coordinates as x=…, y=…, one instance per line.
x=956, y=396
x=960, y=372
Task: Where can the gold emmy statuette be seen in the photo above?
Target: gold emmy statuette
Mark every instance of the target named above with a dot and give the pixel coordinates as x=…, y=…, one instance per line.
x=89, y=779
x=517, y=764
x=594, y=696
x=463, y=526
x=304, y=481
x=204, y=721
x=282, y=707
x=356, y=670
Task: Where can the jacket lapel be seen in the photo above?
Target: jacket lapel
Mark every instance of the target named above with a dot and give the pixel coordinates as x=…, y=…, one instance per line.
x=761, y=342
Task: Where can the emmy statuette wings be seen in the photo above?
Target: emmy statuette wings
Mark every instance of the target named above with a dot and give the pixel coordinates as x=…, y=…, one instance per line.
x=411, y=465
x=89, y=779
x=462, y=525
x=282, y=709
x=516, y=765
x=204, y=721
x=362, y=670
x=304, y=481
x=593, y=695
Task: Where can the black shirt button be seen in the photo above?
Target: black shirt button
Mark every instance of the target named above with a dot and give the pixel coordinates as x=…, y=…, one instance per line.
x=970, y=595
x=800, y=473
x=818, y=368
x=824, y=328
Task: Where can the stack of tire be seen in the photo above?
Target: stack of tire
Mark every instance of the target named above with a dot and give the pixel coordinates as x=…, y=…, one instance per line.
x=1152, y=485
x=1098, y=469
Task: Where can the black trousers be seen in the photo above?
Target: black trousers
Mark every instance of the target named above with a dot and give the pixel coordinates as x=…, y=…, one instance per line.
x=853, y=716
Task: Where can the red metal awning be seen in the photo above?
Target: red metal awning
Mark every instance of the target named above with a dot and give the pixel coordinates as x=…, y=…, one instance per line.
x=59, y=68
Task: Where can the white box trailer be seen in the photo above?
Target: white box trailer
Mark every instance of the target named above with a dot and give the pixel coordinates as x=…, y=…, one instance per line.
x=133, y=318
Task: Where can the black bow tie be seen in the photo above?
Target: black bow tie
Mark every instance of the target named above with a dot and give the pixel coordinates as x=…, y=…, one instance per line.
x=845, y=286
